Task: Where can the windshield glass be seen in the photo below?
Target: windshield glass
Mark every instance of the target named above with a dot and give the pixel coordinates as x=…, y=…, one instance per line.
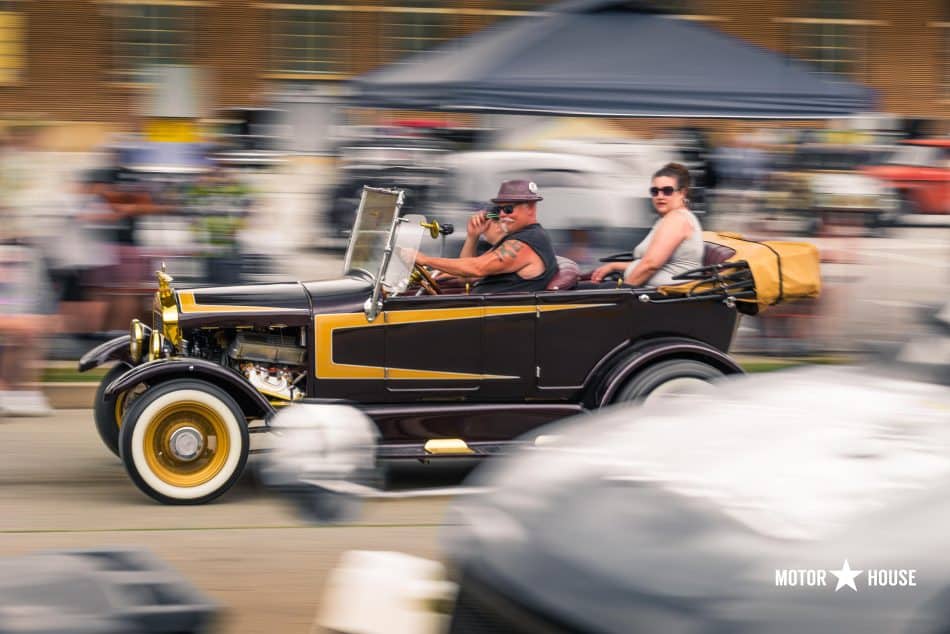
x=374, y=222
x=409, y=232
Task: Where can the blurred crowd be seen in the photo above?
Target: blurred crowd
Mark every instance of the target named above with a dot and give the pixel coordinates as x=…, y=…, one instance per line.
x=79, y=250
x=79, y=244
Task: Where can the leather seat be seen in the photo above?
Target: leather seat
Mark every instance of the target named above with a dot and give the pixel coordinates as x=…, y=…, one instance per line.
x=566, y=277
x=716, y=253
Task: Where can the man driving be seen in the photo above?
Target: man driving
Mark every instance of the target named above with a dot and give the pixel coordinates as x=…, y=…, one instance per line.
x=522, y=260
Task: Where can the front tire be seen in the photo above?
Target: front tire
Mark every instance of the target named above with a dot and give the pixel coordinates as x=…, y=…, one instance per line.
x=184, y=442
x=107, y=410
x=668, y=378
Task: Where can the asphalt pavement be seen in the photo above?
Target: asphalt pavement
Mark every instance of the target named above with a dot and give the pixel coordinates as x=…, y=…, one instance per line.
x=249, y=551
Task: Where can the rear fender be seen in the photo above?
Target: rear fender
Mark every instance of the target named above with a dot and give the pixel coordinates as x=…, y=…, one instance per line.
x=628, y=362
x=252, y=402
x=114, y=349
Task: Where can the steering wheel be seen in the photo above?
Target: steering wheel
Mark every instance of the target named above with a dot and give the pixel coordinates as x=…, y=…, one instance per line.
x=426, y=281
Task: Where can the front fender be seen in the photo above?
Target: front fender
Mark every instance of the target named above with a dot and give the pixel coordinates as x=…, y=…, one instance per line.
x=640, y=355
x=161, y=370
x=117, y=349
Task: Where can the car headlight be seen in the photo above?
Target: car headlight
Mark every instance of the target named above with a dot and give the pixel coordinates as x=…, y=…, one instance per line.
x=156, y=346
x=137, y=333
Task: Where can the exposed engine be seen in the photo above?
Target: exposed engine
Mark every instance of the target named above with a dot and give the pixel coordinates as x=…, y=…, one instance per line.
x=272, y=380
x=273, y=361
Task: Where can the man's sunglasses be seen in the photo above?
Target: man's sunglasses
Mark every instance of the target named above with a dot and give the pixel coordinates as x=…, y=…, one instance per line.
x=495, y=212
x=666, y=191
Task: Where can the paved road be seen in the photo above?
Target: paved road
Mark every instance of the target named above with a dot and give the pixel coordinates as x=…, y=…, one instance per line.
x=60, y=489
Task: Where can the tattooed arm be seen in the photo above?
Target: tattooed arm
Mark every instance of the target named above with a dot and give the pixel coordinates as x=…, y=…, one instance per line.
x=511, y=256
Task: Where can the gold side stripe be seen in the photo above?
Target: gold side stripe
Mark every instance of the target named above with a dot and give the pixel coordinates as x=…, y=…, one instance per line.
x=326, y=325
x=189, y=305
x=547, y=308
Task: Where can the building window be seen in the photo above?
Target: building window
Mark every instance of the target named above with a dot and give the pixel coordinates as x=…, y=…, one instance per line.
x=11, y=42
x=829, y=36
x=417, y=27
x=148, y=34
x=309, y=41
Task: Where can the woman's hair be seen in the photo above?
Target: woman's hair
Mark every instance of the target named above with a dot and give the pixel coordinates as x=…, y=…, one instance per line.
x=677, y=171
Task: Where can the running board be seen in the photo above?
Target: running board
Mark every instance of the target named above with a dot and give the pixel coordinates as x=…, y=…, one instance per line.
x=447, y=448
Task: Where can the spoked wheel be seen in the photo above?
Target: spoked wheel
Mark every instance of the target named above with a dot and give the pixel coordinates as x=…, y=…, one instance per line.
x=184, y=442
x=668, y=378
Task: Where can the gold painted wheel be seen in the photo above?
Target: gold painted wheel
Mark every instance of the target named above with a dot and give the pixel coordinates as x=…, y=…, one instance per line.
x=184, y=441
x=119, y=409
x=168, y=462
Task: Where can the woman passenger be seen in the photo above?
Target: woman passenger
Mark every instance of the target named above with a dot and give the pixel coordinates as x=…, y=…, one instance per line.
x=674, y=244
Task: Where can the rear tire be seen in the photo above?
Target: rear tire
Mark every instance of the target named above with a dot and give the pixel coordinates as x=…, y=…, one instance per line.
x=667, y=378
x=107, y=409
x=184, y=442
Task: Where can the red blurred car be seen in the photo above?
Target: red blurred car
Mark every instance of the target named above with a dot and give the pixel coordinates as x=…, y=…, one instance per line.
x=920, y=172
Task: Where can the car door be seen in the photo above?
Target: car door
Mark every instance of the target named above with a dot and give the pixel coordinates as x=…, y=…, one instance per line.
x=433, y=345
x=575, y=331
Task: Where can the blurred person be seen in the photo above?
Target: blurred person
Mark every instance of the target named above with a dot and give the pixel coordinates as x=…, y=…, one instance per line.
x=25, y=187
x=81, y=257
x=674, y=244
x=27, y=313
x=522, y=259
x=127, y=200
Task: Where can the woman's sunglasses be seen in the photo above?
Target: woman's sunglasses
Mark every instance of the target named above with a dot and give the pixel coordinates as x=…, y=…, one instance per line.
x=666, y=191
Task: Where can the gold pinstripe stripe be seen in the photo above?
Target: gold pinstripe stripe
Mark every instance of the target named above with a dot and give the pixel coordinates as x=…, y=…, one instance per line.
x=189, y=305
x=326, y=325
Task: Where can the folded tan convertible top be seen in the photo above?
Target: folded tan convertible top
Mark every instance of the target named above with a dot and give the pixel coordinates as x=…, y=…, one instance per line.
x=780, y=272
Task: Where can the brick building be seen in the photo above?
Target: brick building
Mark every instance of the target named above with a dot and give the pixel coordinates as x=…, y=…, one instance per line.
x=88, y=60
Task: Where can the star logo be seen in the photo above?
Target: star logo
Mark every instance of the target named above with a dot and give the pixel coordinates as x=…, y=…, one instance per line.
x=846, y=576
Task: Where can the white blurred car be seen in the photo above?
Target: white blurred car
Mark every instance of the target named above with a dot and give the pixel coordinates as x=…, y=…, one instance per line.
x=808, y=500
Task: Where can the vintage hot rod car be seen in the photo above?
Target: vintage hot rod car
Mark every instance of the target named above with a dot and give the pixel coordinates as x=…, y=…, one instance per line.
x=440, y=373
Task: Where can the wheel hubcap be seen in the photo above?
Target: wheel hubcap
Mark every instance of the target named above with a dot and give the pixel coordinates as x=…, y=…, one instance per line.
x=186, y=444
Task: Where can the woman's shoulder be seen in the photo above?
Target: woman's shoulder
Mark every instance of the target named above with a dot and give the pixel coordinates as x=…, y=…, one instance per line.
x=679, y=217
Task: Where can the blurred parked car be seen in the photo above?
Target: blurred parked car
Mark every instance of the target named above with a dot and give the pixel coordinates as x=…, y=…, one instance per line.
x=808, y=500
x=834, y=190
x=412, y=162
x=920, y=172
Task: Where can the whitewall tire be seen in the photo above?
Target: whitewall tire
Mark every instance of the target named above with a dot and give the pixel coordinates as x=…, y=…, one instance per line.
x=184, y=442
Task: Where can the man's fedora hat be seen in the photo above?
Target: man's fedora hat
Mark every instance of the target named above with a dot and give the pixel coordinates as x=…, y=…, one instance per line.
x=517, y=192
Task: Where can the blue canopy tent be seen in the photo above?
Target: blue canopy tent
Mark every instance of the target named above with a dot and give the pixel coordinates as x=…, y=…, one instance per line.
x=608, y=58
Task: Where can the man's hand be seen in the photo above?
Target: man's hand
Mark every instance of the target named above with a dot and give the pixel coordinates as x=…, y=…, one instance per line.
x=477, y=224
